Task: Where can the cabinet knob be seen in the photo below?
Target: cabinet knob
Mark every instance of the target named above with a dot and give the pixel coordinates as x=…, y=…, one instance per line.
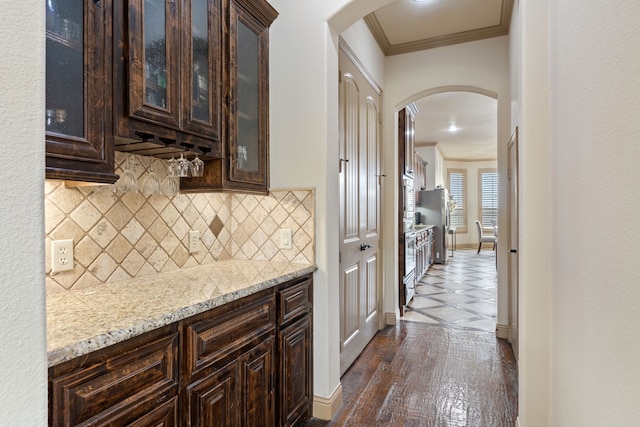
x=98, y=3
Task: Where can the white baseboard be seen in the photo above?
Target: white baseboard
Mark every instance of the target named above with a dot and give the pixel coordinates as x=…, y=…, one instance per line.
x=325, y=408
x=391, y=318
x=502, y=331
x=517, y=421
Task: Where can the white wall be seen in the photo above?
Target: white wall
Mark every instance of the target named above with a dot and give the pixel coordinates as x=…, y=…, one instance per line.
x=595, y=152
x=23, y=362
x=361, y=41
x=482, y=66
x=304, y=143
x=435, y=166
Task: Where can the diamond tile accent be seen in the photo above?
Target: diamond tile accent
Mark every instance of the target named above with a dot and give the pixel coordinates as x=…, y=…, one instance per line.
x=216, y=226
x=122, y=235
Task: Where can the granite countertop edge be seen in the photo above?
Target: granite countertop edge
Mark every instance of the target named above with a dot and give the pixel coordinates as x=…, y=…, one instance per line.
x=60, y=354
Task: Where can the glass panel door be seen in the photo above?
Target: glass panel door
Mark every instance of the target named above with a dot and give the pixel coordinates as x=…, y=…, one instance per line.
x=155, y=53
x=65, y=95
x=248, y=98
x=201, y=93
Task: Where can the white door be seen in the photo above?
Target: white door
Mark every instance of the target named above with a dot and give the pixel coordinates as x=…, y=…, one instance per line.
x=513, y=242
x=360, y=264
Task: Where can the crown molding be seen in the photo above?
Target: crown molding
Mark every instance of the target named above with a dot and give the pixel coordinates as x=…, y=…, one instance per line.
x=388, y=49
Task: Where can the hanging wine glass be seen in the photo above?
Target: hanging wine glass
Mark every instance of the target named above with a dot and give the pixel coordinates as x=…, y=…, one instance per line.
x=151, y=184
x=197, y=166
x=183, y=166
x=170, y=186
x=128, y=181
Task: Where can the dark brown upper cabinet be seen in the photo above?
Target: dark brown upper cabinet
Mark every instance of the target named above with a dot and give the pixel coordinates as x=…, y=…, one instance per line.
x=168, y=77
x=78, y=145
x=245, y=165
x=406, y=139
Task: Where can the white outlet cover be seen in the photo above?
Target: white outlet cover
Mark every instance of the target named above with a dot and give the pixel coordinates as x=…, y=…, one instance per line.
x=61, y=255
x=285, y=238
x=194, y=241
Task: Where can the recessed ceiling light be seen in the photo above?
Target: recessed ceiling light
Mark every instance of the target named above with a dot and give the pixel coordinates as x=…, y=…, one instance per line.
x=453, y=128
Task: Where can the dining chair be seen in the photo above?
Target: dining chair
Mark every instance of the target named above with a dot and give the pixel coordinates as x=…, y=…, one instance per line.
x=484, y=239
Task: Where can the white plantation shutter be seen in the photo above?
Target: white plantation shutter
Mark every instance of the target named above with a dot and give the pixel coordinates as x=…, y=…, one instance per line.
x=488, y=197
x=458, y=190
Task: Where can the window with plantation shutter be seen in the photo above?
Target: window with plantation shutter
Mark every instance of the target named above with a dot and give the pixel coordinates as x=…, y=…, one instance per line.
x=488, y=197
x=457, y=179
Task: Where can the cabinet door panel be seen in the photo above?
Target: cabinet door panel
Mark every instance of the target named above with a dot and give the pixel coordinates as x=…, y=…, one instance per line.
x=295, y=391
x=154, y=58
x=201, y=50
x=258, y=383
x=214, y=400
x=249, y=101
x=78, y=144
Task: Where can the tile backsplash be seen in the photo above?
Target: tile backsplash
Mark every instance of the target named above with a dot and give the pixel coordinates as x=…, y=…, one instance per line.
x=122, y=235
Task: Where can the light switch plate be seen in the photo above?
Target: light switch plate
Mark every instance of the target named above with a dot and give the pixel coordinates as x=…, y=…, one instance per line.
x=285, y=239
x=61, y=255
x=194, y=241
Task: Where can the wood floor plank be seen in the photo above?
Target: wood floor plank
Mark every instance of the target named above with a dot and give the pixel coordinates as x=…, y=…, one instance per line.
x=416, y=374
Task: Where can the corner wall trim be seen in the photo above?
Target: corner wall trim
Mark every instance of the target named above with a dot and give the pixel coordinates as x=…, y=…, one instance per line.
x=325, y=408
x=502, y=331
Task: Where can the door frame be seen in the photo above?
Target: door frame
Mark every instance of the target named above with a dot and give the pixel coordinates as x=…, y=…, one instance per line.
x=513, y=240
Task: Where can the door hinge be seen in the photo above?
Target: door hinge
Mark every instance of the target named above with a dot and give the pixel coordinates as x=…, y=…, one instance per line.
x=509, y=173
x=339, y=257
x=380, y=178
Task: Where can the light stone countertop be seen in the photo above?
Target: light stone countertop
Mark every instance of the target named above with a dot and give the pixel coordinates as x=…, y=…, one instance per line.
x=79, y=322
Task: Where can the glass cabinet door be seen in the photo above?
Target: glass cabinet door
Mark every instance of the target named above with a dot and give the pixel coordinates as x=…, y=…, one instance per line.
x=248, y=127
x=201, y=46
x=154, y=60
x=78, y=146
x=65, y=95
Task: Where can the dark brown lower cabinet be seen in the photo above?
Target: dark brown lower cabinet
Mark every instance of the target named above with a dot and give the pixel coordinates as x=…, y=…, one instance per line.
x=295, y=347
x=246, y=363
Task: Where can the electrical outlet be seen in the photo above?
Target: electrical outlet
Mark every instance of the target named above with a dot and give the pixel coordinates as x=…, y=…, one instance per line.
x=285, y=239
x=61, y=255
x=194, y=241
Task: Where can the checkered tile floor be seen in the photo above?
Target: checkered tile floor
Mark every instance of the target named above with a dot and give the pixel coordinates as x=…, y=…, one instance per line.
x=460, y=294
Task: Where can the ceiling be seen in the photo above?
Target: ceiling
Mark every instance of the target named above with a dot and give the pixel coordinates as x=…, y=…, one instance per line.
x=405, y=26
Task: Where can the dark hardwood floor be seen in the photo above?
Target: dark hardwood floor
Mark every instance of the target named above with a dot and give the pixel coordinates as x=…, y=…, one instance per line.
x=416, y=374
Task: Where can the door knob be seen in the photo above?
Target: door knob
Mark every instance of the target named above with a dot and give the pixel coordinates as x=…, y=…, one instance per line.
x=364, y=246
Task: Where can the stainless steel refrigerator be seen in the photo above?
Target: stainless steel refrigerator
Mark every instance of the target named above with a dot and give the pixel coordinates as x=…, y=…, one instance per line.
x=433, y=206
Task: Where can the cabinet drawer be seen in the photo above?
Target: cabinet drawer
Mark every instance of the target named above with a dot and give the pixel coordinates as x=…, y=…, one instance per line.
x=225, y=333
x=133, y=380
x=294, y=301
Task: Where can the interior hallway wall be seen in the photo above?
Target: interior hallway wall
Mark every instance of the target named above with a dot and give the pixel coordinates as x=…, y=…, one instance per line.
x=23, y=360
x=304, y=145
x=595, y=133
